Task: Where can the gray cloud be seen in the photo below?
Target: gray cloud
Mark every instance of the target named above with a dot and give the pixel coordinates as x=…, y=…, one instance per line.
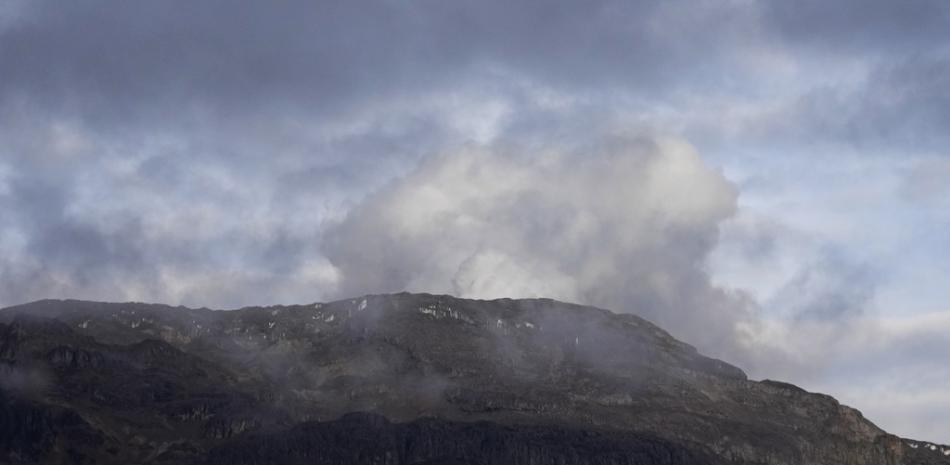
x=831, y=288
x=110, y=61
x=862, y=27
x=172, y=132
x=898, y=107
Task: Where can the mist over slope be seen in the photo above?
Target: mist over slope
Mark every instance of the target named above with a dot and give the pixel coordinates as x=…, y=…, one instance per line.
x=400, y=379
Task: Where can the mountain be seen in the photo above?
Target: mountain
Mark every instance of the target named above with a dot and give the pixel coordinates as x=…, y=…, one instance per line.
x=400, y=379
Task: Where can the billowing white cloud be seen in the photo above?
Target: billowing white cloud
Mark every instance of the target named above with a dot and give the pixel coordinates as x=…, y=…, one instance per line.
x=625, y=225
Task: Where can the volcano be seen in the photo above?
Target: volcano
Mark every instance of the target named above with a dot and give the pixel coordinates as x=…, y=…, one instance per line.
x=400, y=379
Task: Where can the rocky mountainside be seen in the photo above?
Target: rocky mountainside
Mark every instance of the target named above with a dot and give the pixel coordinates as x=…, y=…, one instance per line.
x=400, y=379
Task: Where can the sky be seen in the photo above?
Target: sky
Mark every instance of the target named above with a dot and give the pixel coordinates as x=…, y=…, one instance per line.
x=768, y=180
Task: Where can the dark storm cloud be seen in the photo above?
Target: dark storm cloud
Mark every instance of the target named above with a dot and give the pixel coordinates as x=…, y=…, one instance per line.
x=899, y=56
x=186, y=62
x=863, y=27
x=115, y=56
x=115, y=59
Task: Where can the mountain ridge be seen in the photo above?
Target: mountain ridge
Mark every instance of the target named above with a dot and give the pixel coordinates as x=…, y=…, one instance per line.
x=226, y=376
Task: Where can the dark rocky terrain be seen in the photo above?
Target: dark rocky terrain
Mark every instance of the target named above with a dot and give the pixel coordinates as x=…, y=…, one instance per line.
x=400, y=379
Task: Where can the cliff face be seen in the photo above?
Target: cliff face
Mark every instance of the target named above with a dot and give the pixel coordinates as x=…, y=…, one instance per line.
x=447, y=381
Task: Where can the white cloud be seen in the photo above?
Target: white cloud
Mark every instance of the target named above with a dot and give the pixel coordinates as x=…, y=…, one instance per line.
x=625, y=225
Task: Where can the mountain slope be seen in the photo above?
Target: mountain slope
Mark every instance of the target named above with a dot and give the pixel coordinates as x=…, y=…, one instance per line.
x=512, y=381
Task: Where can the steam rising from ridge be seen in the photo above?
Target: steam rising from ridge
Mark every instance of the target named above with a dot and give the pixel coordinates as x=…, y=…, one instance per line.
x=625, y=225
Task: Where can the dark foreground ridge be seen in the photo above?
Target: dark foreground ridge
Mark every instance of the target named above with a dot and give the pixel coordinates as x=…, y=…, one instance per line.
x=360, y=438
x=400, y=379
